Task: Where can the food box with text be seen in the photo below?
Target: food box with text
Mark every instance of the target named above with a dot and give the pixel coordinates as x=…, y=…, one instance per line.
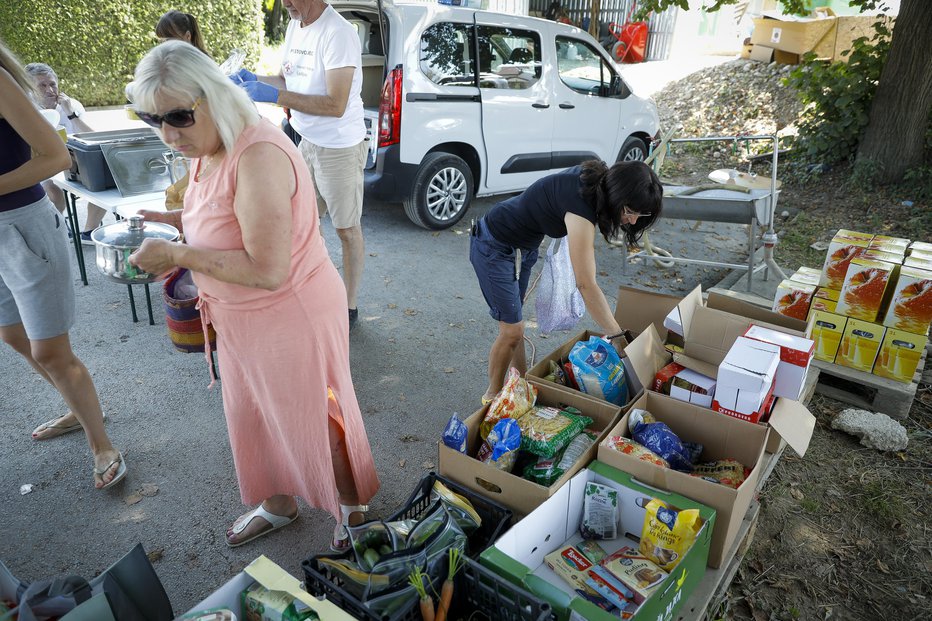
x=859, y=345
x=824, y=300
x=827, y=330
x=746, y=379
x=519, y=554
x=911, y=302
x=795, y=357
x=866, y=287
x=845, y=245
x=899, y=355
x=793, y=299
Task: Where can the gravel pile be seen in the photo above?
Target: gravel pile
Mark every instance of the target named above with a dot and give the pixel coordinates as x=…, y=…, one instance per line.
x=740, y=96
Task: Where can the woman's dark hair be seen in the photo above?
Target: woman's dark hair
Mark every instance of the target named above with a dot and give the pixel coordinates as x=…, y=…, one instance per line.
x=626, y=184
x=175, y=25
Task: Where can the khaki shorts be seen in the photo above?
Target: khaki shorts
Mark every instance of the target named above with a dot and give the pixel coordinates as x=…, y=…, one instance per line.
x=338, y=180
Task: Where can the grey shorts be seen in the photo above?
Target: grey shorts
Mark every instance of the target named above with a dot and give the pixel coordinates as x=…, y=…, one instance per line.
x=338, y=180
x=36, y=287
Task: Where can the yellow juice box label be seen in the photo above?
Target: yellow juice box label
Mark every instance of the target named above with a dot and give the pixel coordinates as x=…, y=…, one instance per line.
x=920, y=246
x=827, y=330
x=899, y=355
x=859, y=345
x=862, y=294
x=919, y=263
x=876, y=254
x=896, y=245
x=792, y=299
x=807, y=276
x=910, y=306
x=845, y=246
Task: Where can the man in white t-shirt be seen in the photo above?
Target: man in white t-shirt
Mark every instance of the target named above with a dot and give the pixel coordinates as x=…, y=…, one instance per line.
x=71, y=112
x=321, y=82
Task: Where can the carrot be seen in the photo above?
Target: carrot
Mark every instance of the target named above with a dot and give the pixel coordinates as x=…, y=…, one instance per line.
x=456, y=562
x=416, y=579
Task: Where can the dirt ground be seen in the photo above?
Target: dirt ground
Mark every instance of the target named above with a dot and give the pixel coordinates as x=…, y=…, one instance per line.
x=843, y=533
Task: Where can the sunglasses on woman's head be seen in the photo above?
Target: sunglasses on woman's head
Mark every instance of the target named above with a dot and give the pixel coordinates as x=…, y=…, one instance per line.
x=176, y=118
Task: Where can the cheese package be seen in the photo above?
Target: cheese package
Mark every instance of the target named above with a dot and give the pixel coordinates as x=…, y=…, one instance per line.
x=824, y=300
x=827, y=330
x=865, y=289
x=910, y=307
x=845, y=246
x=637, y=572
x=859, y=345
x=793, y=298
x=899, y=355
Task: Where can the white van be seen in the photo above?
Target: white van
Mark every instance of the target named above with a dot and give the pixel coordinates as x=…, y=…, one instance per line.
x=463, y=103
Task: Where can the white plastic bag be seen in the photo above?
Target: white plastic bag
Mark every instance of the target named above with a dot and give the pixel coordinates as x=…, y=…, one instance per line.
x=559, y=304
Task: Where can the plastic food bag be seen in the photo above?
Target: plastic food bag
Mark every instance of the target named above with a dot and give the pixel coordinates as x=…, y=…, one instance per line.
x=516, y=397
x=458, y=506
x=630, y=447
x=659, y=438
x=500, y=449
x=455, y=434
x=668, y=533
x=545, y=429
x=371, y=541
x=546, y=470
x=600, y=512
x=725, y=471
x=556, y=374
x=559, y=304
x=599, y=371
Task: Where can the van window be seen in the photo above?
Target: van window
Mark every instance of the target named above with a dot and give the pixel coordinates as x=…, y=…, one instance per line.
x=445, y=54
x=508, y=58
x=584, y=70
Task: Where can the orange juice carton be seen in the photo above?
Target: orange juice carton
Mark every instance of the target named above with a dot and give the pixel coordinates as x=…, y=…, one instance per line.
x=825, y=300
x=919, y=246
x=807, y=276
x=884, y=255
x=918, y=262
x=910, y=307
x=899, y=355
x=896, y=245
x=859, y=345
x=827, y=330
x=865, y=287
x=844, y=246
x=792, y=299
x=922, y=255
x=795, y=356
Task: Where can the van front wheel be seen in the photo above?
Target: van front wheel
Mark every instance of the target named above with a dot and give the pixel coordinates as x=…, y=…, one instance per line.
x=442, y=192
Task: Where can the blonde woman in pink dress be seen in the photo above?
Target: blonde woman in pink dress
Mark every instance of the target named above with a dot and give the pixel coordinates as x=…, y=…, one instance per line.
x=270, y=290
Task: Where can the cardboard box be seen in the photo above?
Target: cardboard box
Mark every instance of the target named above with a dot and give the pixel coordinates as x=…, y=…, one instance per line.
x=921, y=253
x=749, y=365
x=510, y=490
x=721, y=437
x=827, y=330
x=918, y=263
x=673, y=323
x=899, y=356
x=865, y=292
x=793, y=299
x=693, y=387
x=746, y=51
x=859, y=345
x=893, y=245
x=807, y=276
x=919, y=246
x=910, y=306
x=825, y=300
x=878, y=254
x=845, y=245
x=789, y=33
x=519, y=553
x=664, y=377
x=761, y=53
x=795, y=357
x=848, y=28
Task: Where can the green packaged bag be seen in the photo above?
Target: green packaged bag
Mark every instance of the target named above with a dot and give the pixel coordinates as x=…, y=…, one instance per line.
x=546, y=429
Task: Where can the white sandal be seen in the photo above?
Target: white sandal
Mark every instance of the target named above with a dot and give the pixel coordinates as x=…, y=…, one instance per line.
x=276, y=522
x=340, y=542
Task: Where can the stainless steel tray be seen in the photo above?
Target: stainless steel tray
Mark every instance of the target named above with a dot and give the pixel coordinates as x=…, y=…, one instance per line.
x=91, y=139
x=138, y=167
x=718, y=205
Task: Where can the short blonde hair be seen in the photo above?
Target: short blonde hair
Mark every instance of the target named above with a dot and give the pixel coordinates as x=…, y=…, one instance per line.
x=180, y=70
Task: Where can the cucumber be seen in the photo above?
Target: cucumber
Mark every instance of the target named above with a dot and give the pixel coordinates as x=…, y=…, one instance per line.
x=384, y=549
x=371, y=556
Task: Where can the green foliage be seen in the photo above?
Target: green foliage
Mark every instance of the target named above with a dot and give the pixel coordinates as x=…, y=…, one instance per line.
x=838, y=97
x=94, y=45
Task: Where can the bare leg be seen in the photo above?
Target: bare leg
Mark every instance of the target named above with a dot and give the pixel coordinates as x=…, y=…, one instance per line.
x=95, y=216
x=354, y=257
x=508, y=349
x=276, y=505
x=55, y=195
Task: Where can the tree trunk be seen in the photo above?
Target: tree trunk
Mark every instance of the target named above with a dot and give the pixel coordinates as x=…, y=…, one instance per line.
x=899, y=118
x=275, y=21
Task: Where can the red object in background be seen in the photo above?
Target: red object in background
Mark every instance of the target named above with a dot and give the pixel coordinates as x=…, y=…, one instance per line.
x=632, y=40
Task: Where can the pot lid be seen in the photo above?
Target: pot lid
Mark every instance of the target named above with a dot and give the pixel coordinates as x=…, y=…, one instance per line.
x=130, y=233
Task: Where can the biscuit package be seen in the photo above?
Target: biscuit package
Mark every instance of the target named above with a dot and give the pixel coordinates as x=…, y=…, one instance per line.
x=668, y=533
x=637, y=572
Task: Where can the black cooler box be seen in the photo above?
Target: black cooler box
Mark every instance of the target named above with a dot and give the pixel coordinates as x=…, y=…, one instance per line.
x=132, y=160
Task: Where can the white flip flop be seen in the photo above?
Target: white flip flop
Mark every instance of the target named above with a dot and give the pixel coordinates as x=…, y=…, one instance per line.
x=277, y=521
x=121, y=472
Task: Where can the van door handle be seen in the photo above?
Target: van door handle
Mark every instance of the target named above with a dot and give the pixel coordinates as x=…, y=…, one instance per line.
x=566, y=106
x=542, y=106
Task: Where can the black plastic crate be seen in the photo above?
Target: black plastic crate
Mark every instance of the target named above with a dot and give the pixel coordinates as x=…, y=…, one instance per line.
x=322, y=582
x=479, y=592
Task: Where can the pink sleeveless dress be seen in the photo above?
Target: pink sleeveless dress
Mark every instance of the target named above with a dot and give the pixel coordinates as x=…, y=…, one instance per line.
x=279, y=351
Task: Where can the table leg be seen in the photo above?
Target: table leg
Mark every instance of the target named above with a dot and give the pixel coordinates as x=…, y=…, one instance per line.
x=132, y=303
x=752, y=227
x=149, y=305
x=71, y=204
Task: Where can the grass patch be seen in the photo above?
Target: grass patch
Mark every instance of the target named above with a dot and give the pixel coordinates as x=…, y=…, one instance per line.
x=884, y=502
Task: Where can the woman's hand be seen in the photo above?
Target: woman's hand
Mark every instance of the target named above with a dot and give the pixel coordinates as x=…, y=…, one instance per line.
x=172, y=217
x=155, y=256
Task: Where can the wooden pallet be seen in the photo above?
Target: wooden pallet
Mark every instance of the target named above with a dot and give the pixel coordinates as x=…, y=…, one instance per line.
x=866, y=390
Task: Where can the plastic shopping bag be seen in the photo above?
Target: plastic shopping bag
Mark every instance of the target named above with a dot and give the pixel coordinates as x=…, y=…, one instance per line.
x=599, y=371
x=559, y=304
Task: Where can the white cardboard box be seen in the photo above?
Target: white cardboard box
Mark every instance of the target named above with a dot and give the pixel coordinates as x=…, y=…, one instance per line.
x=795, y=356
x=673, y=322
x=749, y=365
x=698, y=379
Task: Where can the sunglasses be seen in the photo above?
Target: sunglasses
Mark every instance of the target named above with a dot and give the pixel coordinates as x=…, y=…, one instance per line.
x=176, y=118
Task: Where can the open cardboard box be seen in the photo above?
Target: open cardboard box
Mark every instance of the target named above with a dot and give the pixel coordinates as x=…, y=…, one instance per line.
x=272, y=577
x=510, y=490
x=721, y=437
x=519, y=553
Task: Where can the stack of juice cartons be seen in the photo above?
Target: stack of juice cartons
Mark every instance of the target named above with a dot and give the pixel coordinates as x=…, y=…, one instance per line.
x=907, y=316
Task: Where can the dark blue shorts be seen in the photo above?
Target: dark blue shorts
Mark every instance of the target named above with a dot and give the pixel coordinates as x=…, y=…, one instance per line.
x=495, y=267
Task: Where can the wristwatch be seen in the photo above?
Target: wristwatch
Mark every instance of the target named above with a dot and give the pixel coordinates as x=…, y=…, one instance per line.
x=73, y=116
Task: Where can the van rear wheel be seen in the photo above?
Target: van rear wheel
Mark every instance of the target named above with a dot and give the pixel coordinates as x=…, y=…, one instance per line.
x=442, y=192
x=634, y=149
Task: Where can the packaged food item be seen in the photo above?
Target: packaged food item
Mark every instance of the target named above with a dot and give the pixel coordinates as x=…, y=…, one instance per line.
x=899, y=355
x=693, y=387
x=865, y=288
x=600, y=512
x=635, y=571
x=845, y=246
x=458, y=506
x=515, y=398
x=261, y=604
x=572, y=564
x=664, y=377
x=500, y=448
x=546, y=470
x=659, y=438
x=605, y=584
x=807, y=276
x=668, y=533
x=910, y=308
x=545, y=429
x=212, y=614
x=599, y=371
x=793, y=298
x=556, y=374
x=630, y=447
x=455, y=434
x=725, y=471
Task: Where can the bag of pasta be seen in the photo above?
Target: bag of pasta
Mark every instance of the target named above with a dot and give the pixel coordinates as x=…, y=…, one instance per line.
x=668, y=533
x=515, y=398
x=546, y=429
